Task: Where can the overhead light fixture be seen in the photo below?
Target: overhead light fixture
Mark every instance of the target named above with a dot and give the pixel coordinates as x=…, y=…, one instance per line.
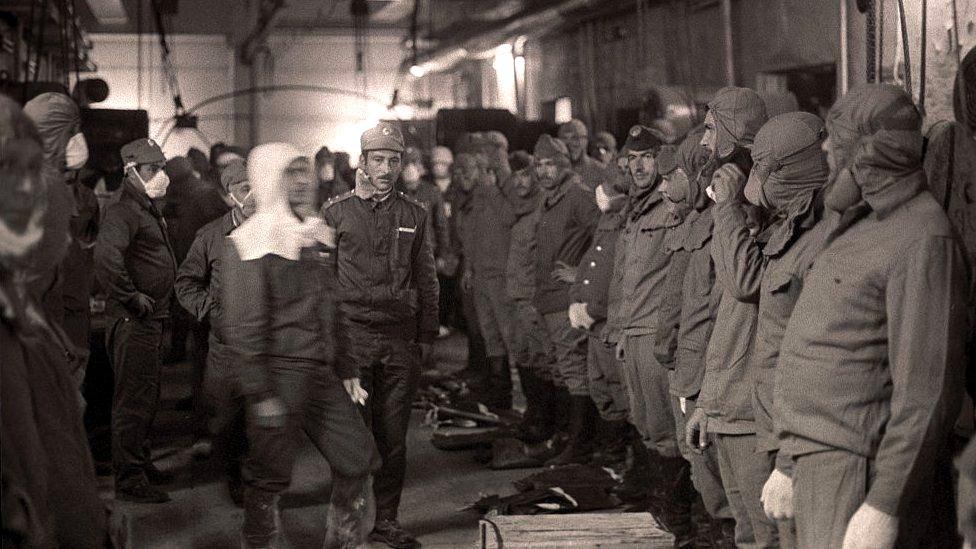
x=109, y=12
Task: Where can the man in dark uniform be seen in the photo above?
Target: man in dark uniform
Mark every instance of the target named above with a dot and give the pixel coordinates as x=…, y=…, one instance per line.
x=387, y=303
x=198, y=289
x=135, y=264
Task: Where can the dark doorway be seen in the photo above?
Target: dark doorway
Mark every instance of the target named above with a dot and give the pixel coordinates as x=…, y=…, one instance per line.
x=815, y=87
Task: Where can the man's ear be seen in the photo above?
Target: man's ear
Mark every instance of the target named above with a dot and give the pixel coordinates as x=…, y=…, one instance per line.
x=362, y=161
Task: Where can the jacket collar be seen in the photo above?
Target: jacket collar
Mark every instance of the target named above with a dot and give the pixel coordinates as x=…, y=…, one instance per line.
x=800, y=215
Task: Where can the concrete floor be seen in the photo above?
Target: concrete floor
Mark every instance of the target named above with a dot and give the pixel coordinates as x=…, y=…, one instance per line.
x=201, y=516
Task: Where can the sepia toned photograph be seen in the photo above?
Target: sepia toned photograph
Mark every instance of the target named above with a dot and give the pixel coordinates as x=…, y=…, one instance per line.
x=487, y=274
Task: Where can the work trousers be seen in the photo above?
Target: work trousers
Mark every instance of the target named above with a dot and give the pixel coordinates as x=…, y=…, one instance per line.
x=830, y=486
x=134, y=347
x=531, y=344
x=744, y=473
x=390, y=370
x=567, y=361
x=496, y=313
x=648, y=393
x=477, y=357
x=225, y=420
x=606, y=387
x=315, y=402
x=705, y=474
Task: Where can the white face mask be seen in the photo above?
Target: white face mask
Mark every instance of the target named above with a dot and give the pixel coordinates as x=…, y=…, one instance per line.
x=155, y=187
x=76, y=152
x=240, y=203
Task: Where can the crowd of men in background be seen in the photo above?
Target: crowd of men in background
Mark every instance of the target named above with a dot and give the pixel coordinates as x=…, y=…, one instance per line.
x=770, y=321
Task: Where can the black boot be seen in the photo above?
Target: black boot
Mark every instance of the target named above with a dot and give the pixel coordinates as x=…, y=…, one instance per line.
x=637, y=478
x=539, y=395
x=670, y=496
x=579, y=449
x=498, y=394
x=612, y=440
x=262, y=521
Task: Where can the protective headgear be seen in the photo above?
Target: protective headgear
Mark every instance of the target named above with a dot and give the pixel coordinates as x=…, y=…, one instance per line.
x=738, y=115
x=76, y=152
x=788, y=160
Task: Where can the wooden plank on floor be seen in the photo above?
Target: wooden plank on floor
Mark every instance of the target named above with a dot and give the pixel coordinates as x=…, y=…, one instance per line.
x=603, y=530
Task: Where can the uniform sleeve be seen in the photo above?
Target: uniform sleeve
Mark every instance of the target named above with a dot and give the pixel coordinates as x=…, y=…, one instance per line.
x=244, y=322
x=697, y=315
x=425, y=278
x=669, y=315
x=739, y=262
x=926, y=321
x=113, y=241
x=192, y=285
x=588, y=215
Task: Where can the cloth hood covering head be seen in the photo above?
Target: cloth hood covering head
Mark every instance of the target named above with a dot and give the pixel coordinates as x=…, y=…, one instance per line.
x=235, y=172
x=964, y=92
x=738, y=114
x=57, y=119
x=274, y=229
x=691, y=158
x=876, y=141
x=21, y=159
x=788, y=163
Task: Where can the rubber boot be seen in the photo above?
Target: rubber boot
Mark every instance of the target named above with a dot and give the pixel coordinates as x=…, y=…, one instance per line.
x=579, y=448
x=498, y=395
x=536, y=424
x=637, y=479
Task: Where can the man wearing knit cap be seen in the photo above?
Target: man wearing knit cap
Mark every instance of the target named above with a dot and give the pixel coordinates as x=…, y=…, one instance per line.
x=640, y=269
x=134, y=262
x=869, y=377
x=387, y=302
x=576, y=138
x=197, y=288
x=567, y=219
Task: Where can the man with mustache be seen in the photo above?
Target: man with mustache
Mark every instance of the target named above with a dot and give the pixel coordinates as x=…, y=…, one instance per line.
x=567, y=217
x=387, y=295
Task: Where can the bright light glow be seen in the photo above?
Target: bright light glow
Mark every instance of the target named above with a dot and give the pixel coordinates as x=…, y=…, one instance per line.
x=418, y=71
x=504, y=65
x=403, y=112
x=564, y=110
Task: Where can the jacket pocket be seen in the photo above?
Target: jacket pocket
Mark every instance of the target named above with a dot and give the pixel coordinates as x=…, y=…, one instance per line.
x=404, y=244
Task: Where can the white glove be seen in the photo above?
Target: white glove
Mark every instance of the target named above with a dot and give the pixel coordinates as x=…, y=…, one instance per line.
x=777, y=496
x=355, y=390
x=870, y=528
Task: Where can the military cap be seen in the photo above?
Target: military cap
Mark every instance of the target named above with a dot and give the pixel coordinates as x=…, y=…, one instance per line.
x=642, y=138
x=234, y=172
x=383, y=136
x=141, y=151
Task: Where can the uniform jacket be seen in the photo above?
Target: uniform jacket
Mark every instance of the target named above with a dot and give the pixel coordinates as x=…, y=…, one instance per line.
x=790, y=252
x=133, y=254
x=383, y=265
x=690, y=303
x=567, y=218
x=726, y=392
x=520, y=267
x=488, y=234
x=641, y=265
x=871, y=361
x=596, y=268
x=198, y=281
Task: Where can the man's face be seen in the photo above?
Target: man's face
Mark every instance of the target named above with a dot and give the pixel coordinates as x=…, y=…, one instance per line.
x=467, y=175
x=523, y=184
x=575, y=142
x=146, y=172
x=546, y=170
x=244, y=199
x=327, y=171
x=382, y=167
x=642, y=167
x=711, y=135
x=441, y=170
x=300, y=183
x=22, y=205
